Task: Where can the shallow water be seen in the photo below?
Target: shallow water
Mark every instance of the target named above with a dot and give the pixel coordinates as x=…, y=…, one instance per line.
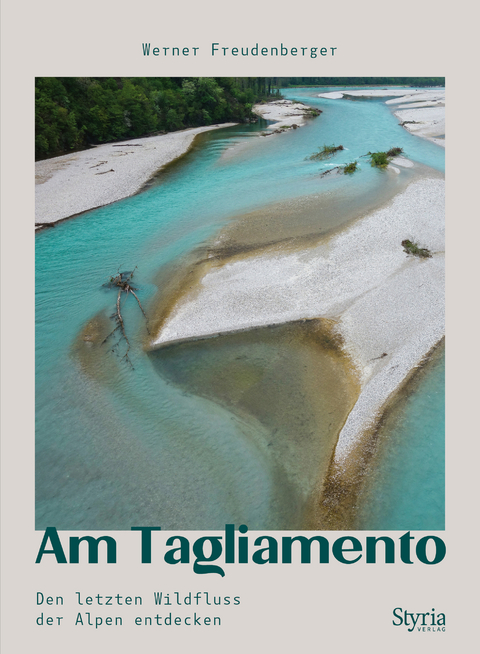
x=117, y=447
x=406, y=481
x=298, y=391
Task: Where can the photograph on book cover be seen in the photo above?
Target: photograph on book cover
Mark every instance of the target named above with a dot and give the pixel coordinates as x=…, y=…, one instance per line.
x=254, y=334
x=229, y=410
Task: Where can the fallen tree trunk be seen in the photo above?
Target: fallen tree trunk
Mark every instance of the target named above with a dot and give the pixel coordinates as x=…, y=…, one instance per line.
x=122, y=281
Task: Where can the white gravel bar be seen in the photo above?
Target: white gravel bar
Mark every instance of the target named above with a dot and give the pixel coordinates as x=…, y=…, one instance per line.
x=389, y=306
x=77, y=182
x=397, y=95
x=428, y=122
x=285, y=113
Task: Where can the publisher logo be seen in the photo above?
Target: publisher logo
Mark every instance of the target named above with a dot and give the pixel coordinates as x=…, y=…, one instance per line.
x=430, y=621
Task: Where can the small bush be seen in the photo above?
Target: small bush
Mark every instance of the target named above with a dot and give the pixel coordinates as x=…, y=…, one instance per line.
x=326, y=152
x=350, y=168
x=394, y=152
x=412, y=248
x=382, y=159
x=379, y=159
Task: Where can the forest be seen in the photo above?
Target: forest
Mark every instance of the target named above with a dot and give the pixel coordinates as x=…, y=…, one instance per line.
x=74, y=113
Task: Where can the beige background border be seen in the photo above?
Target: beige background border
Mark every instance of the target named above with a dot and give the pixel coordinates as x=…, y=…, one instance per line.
x=283, y=607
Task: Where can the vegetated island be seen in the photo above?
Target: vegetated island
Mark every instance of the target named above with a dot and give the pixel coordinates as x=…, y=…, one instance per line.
x=284, y=114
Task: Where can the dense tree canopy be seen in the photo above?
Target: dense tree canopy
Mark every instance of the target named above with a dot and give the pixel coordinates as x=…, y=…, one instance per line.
x=75, y=112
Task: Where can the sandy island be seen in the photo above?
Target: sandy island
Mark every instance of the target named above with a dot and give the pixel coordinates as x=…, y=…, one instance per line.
x=77, y=182
x=283, y=113
x=388, y=306
x=421, y=111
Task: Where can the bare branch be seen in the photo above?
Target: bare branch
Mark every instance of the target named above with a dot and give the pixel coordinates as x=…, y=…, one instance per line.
x=122, y=281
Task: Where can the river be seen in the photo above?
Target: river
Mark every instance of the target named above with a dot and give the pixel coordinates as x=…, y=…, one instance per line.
x=215, y=433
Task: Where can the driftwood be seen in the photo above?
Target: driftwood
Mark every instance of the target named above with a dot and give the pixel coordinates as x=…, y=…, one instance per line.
x=382, y=356
x=122, y=281
x=326, y=153
x=329, y=170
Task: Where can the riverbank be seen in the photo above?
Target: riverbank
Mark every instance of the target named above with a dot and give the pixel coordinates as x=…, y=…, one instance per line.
x=73, y=183
x=388, y=306
x=420, y=111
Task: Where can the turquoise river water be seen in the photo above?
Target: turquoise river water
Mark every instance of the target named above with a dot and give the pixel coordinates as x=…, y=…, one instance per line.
x=117, y=447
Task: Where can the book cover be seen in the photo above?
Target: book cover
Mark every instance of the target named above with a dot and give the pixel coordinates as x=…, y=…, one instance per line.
x=223, y=383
